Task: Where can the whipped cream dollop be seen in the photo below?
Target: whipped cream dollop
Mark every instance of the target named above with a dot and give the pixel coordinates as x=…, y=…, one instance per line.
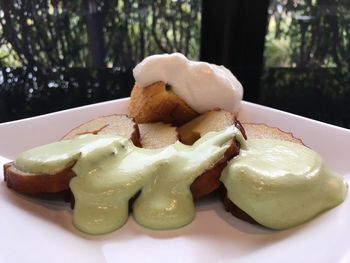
x=201, y=85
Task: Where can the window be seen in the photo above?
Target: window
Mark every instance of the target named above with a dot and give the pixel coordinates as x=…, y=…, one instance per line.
x=95, y=33
x=292, y=55
x=58, y=54
x=306, y=59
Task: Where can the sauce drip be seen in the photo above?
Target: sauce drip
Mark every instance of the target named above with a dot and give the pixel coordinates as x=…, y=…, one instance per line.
x=281, y=184
x=111, y=170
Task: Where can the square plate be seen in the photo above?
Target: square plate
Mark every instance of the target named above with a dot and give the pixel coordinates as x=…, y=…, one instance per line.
x=39, y=230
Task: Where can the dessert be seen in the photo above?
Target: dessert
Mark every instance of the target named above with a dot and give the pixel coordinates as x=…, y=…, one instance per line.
x=29, y=182
x=147, y=135
x=191, y=131
x=157, y=103
x=268, y=176
x=110, y=170
x=195, y=86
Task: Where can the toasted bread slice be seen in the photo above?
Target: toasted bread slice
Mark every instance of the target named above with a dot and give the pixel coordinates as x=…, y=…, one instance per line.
x=157, y=103
x=117, y=124
x=262, y=131
x=157, y=135
x=215, y=120
x=29, y=183
x=256, y=131
x=209, y=181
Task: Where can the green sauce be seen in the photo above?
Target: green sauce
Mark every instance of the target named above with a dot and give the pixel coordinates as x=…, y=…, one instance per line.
x=111, y=170
x=281, y=184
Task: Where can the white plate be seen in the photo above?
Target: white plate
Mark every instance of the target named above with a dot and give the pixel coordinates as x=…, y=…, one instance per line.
x=34, y=230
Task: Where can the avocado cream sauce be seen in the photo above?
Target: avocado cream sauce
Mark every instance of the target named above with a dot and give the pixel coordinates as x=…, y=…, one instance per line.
x=110, y=171
x=281, y=184
x=278, y=183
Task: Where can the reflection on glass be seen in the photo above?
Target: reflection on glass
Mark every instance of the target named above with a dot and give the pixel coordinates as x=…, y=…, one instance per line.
x=308, y=33
x=307, y=59
x=26, y=92
x=96, y=33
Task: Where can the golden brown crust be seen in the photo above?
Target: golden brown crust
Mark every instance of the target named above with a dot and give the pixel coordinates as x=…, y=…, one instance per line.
x=214, y=120
x=209, y=181
x=263, y=131
x=29, y=183
x=155, y=103
x=233, y=209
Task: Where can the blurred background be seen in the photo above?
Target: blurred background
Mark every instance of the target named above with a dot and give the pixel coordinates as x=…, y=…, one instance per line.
x=292, y=55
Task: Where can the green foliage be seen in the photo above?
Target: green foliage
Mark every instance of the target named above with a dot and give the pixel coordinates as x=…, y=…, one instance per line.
x=308, y=33
x=8, y=57
x=307, y=59
x=96, y=33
